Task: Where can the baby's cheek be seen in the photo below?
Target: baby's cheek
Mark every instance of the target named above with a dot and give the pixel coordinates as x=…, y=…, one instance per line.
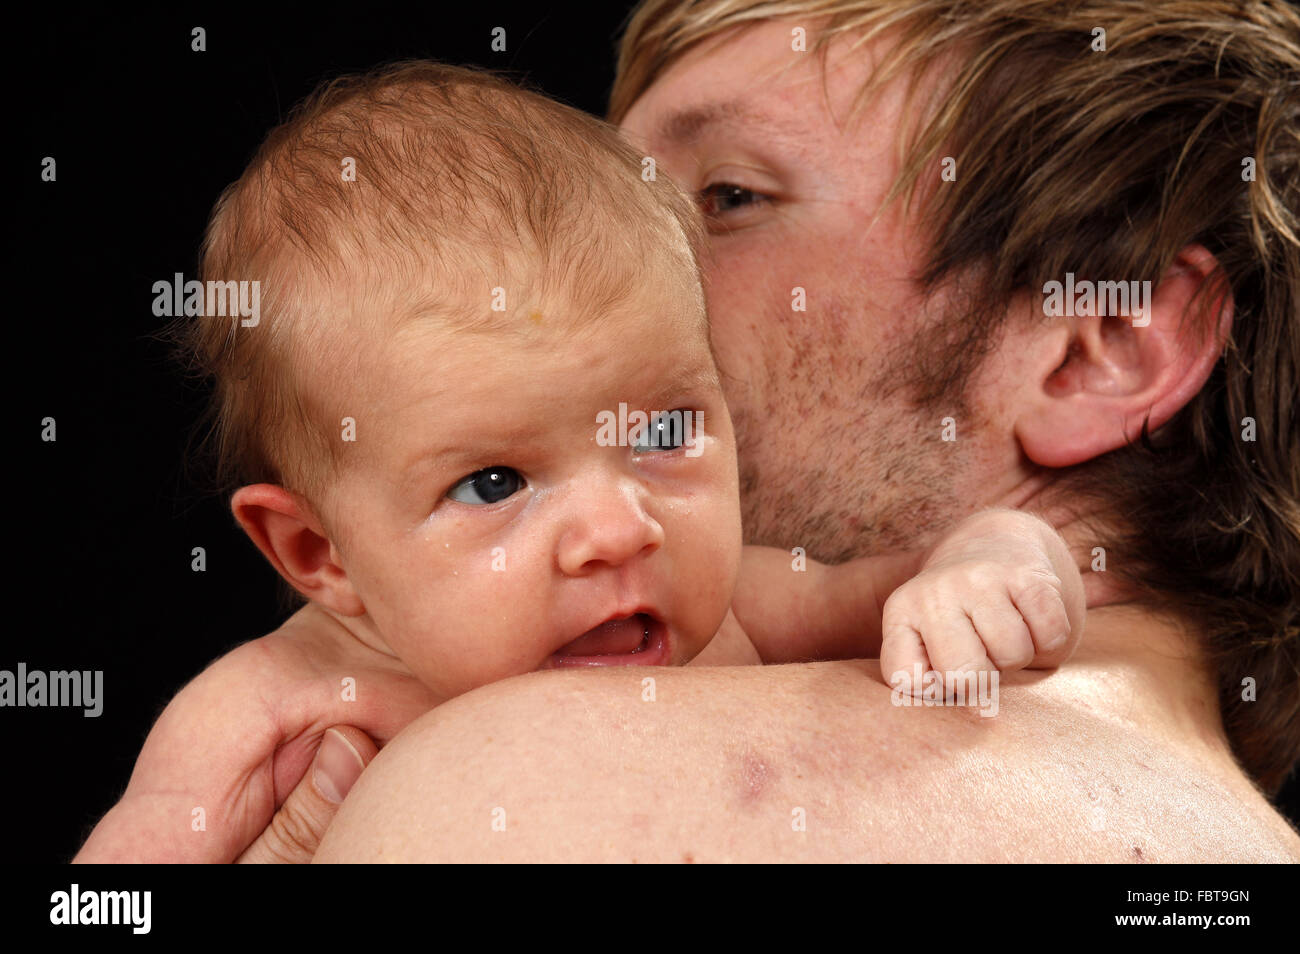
x=711, y=581
x=484, y=648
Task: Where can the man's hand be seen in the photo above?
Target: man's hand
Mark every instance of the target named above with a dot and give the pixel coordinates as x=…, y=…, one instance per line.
x=999, y=593
x=299, y=825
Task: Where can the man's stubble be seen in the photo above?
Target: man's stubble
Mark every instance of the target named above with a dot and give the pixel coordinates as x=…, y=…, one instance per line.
x=844, y=455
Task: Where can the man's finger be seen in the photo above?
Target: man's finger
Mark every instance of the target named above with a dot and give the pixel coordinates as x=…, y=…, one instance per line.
x=297, y=828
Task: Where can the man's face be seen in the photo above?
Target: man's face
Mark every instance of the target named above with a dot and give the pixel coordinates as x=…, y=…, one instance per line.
x=834, y=454
x=489, y=524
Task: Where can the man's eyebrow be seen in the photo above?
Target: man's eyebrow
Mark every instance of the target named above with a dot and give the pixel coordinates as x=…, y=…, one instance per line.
x=686, y=125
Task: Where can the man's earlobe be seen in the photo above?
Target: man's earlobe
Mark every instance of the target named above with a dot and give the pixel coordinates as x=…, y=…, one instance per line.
x=1095, y=381
x=282, y=525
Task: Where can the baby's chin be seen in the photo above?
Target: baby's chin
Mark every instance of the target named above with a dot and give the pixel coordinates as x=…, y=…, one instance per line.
x=640, y=639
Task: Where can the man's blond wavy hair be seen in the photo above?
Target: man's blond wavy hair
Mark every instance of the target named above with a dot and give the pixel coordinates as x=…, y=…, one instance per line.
x=1109, y=163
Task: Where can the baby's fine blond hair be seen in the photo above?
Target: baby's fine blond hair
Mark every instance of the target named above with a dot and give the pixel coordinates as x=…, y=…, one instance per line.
x=414, y=190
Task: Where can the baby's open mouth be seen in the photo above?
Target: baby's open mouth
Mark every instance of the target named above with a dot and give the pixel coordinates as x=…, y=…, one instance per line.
x=637, y=640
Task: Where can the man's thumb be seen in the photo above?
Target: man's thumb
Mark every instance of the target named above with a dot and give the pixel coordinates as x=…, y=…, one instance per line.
x=297, y=828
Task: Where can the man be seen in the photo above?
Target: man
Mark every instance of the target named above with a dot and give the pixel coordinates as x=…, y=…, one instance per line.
x=935, y=369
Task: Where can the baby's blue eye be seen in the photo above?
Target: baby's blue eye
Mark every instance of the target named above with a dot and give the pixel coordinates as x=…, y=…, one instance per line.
x=487, y=486
x=664, y=433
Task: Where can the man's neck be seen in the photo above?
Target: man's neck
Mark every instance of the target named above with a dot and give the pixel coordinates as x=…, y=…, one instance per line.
x=1084, y=529
x=1149, y=671
x=1146, y=665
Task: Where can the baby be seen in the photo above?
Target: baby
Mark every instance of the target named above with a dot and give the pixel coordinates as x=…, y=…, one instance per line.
x=478, y=426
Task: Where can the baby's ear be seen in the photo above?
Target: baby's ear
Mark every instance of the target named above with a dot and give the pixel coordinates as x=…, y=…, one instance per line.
x=283, y=526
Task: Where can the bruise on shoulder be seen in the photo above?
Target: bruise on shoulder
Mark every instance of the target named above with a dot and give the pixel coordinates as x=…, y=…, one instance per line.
x=754, y=776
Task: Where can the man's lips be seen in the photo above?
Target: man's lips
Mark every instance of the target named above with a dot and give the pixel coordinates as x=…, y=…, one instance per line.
x=637, y=640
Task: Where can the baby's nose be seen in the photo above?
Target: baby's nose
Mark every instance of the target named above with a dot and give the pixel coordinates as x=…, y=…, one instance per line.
x=608, y=530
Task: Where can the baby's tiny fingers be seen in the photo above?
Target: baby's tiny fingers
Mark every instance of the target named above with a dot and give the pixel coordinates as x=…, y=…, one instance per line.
x=1007, y=640
x=1042, y=605
x=954, y=647
x=903, y=661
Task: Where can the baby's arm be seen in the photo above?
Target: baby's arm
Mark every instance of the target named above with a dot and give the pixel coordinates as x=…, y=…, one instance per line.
x=236, y=740
x=202, y=787
x=1000, y=591
x=793, y=609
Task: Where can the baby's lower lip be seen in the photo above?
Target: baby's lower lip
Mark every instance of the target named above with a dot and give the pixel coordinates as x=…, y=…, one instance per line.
x=653, y=651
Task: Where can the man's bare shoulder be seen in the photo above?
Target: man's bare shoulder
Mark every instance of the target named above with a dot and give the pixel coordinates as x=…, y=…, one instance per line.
x=808, y=762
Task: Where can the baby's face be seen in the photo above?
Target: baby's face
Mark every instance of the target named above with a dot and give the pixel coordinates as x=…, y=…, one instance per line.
x=490, y=525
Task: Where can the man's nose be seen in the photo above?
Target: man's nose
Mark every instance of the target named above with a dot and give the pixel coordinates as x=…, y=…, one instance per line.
x=608, y=528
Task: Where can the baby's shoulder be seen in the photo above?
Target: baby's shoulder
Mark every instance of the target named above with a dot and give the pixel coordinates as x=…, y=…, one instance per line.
x=237, y=705
x=256, y=675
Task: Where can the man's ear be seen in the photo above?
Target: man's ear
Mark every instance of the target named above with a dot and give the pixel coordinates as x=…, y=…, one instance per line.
x=284, y=528
x=1093, y=381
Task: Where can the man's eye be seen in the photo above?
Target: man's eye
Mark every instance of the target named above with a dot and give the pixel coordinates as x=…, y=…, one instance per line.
x=723, y=197
x=664, y=433
x=487, y=486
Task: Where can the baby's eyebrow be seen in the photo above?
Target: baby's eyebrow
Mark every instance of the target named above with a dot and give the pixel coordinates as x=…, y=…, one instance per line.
x=506, y=443
x=455, y=455
x=703, y=378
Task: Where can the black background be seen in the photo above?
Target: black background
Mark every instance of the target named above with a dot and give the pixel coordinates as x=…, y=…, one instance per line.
x=146, y=133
